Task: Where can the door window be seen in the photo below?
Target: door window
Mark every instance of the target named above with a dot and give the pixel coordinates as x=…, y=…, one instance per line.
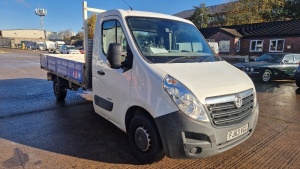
x=297, y=58
x=288, y=59
x=112, y=33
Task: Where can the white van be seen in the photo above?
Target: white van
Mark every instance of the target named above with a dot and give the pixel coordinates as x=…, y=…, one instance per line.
x=50, y=45
x=156, y=78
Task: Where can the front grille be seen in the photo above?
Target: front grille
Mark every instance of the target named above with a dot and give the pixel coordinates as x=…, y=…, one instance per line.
x=224, y=112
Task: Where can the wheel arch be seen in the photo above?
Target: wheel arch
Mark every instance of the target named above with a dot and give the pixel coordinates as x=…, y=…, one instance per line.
x=134, y=110
x=267, y=68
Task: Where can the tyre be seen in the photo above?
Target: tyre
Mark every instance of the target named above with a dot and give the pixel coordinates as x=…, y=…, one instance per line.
x=60, y=92
x=298, y=82
x=266, y=76
x=144, y=139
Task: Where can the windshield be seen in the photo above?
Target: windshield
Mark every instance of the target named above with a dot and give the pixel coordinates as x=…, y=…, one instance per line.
x=169, y=41
x=276, y=58
x=71, y=47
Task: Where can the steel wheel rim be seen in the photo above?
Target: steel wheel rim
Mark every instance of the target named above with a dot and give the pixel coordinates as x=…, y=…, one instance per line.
x=266, y=76
x=142, y=139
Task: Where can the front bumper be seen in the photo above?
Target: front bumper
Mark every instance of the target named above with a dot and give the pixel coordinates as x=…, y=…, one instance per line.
x=254, y=74
x=186, y=138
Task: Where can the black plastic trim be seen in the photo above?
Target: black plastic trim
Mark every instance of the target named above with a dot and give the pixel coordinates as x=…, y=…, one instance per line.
x=103, y=103
x=179, y=134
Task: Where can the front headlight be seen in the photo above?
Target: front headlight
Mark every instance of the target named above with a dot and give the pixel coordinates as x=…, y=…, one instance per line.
x=184, y=99
x=252, y=69
x=247, y=69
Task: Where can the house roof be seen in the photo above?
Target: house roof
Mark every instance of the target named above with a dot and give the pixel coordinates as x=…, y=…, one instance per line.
x=207, y=32
x=278, y=28
x=232, y=32
x=185, y=14
x=211, y=10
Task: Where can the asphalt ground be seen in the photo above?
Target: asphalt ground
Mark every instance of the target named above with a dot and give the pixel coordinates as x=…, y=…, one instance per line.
x=36, y=131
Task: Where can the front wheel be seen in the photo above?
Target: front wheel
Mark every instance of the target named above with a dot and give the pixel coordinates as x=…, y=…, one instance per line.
x=144, y=139
x=266, y=76
x=298, y=82
x=60, y=92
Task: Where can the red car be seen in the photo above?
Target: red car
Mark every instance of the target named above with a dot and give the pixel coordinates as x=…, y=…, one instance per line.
x=81, y=50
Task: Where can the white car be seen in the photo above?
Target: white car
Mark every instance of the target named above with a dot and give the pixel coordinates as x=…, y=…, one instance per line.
x=69, y=49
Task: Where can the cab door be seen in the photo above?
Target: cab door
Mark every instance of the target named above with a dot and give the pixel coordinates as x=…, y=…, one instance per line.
x=111, y=87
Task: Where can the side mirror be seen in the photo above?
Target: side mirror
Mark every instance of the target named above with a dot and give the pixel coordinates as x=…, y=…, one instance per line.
x=114, y=55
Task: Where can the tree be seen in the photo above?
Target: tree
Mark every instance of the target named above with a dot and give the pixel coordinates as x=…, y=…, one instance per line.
x=200, y=16
x=91, y=25
x=66, y=34
x=78, y=36
x=273, y=11
x=252, y=11
x=291, y=9
x=242, y=12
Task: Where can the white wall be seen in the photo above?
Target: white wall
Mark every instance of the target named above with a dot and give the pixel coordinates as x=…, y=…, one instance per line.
x=23, y=33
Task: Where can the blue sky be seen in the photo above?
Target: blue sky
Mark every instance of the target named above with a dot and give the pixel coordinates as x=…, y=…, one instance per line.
x=67, y=14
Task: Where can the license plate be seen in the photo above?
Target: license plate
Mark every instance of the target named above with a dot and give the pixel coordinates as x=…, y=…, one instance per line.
x=237, y=132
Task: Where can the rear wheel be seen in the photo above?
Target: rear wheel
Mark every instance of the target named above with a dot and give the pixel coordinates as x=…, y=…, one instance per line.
x=266, y=76
x=298, y=82
x=60, y=92
x=145, y=140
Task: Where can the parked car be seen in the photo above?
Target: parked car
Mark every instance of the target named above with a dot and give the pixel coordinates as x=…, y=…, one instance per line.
x=271, y=66
x=297, y=76
x=69, y=49
x=81, y=50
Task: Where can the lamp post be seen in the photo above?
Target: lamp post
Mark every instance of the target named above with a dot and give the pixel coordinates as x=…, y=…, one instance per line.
x=41, y=13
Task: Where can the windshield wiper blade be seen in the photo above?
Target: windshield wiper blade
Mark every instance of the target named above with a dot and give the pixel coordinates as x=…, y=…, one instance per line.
x=206, y=59
x=183, y=57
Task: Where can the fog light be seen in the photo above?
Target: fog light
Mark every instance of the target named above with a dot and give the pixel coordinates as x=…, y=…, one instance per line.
x=196, y=150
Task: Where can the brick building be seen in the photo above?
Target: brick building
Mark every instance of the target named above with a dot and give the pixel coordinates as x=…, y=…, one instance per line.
x=256, y=39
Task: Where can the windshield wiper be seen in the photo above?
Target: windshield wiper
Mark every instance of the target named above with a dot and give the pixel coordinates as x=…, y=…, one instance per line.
x=183, y=57
x=206, y=59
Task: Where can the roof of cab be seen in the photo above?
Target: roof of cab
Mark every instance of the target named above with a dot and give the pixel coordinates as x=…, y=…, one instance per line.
x=125, y=13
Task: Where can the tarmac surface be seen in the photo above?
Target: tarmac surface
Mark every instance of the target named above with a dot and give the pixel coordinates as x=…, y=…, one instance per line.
x=36, y=131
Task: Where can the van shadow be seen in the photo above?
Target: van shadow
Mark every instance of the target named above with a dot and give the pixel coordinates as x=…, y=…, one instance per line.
x=31, y=116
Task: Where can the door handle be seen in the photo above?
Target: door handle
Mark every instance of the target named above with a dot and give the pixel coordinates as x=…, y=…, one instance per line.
x=100, y=72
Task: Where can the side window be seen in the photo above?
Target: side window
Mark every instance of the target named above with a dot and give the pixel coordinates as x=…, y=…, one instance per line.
x=224, y=45
x=112, y=33
x=276, y=45
x=238, y=45
x=288, y=58
x=256, y=46
x=297, y=58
